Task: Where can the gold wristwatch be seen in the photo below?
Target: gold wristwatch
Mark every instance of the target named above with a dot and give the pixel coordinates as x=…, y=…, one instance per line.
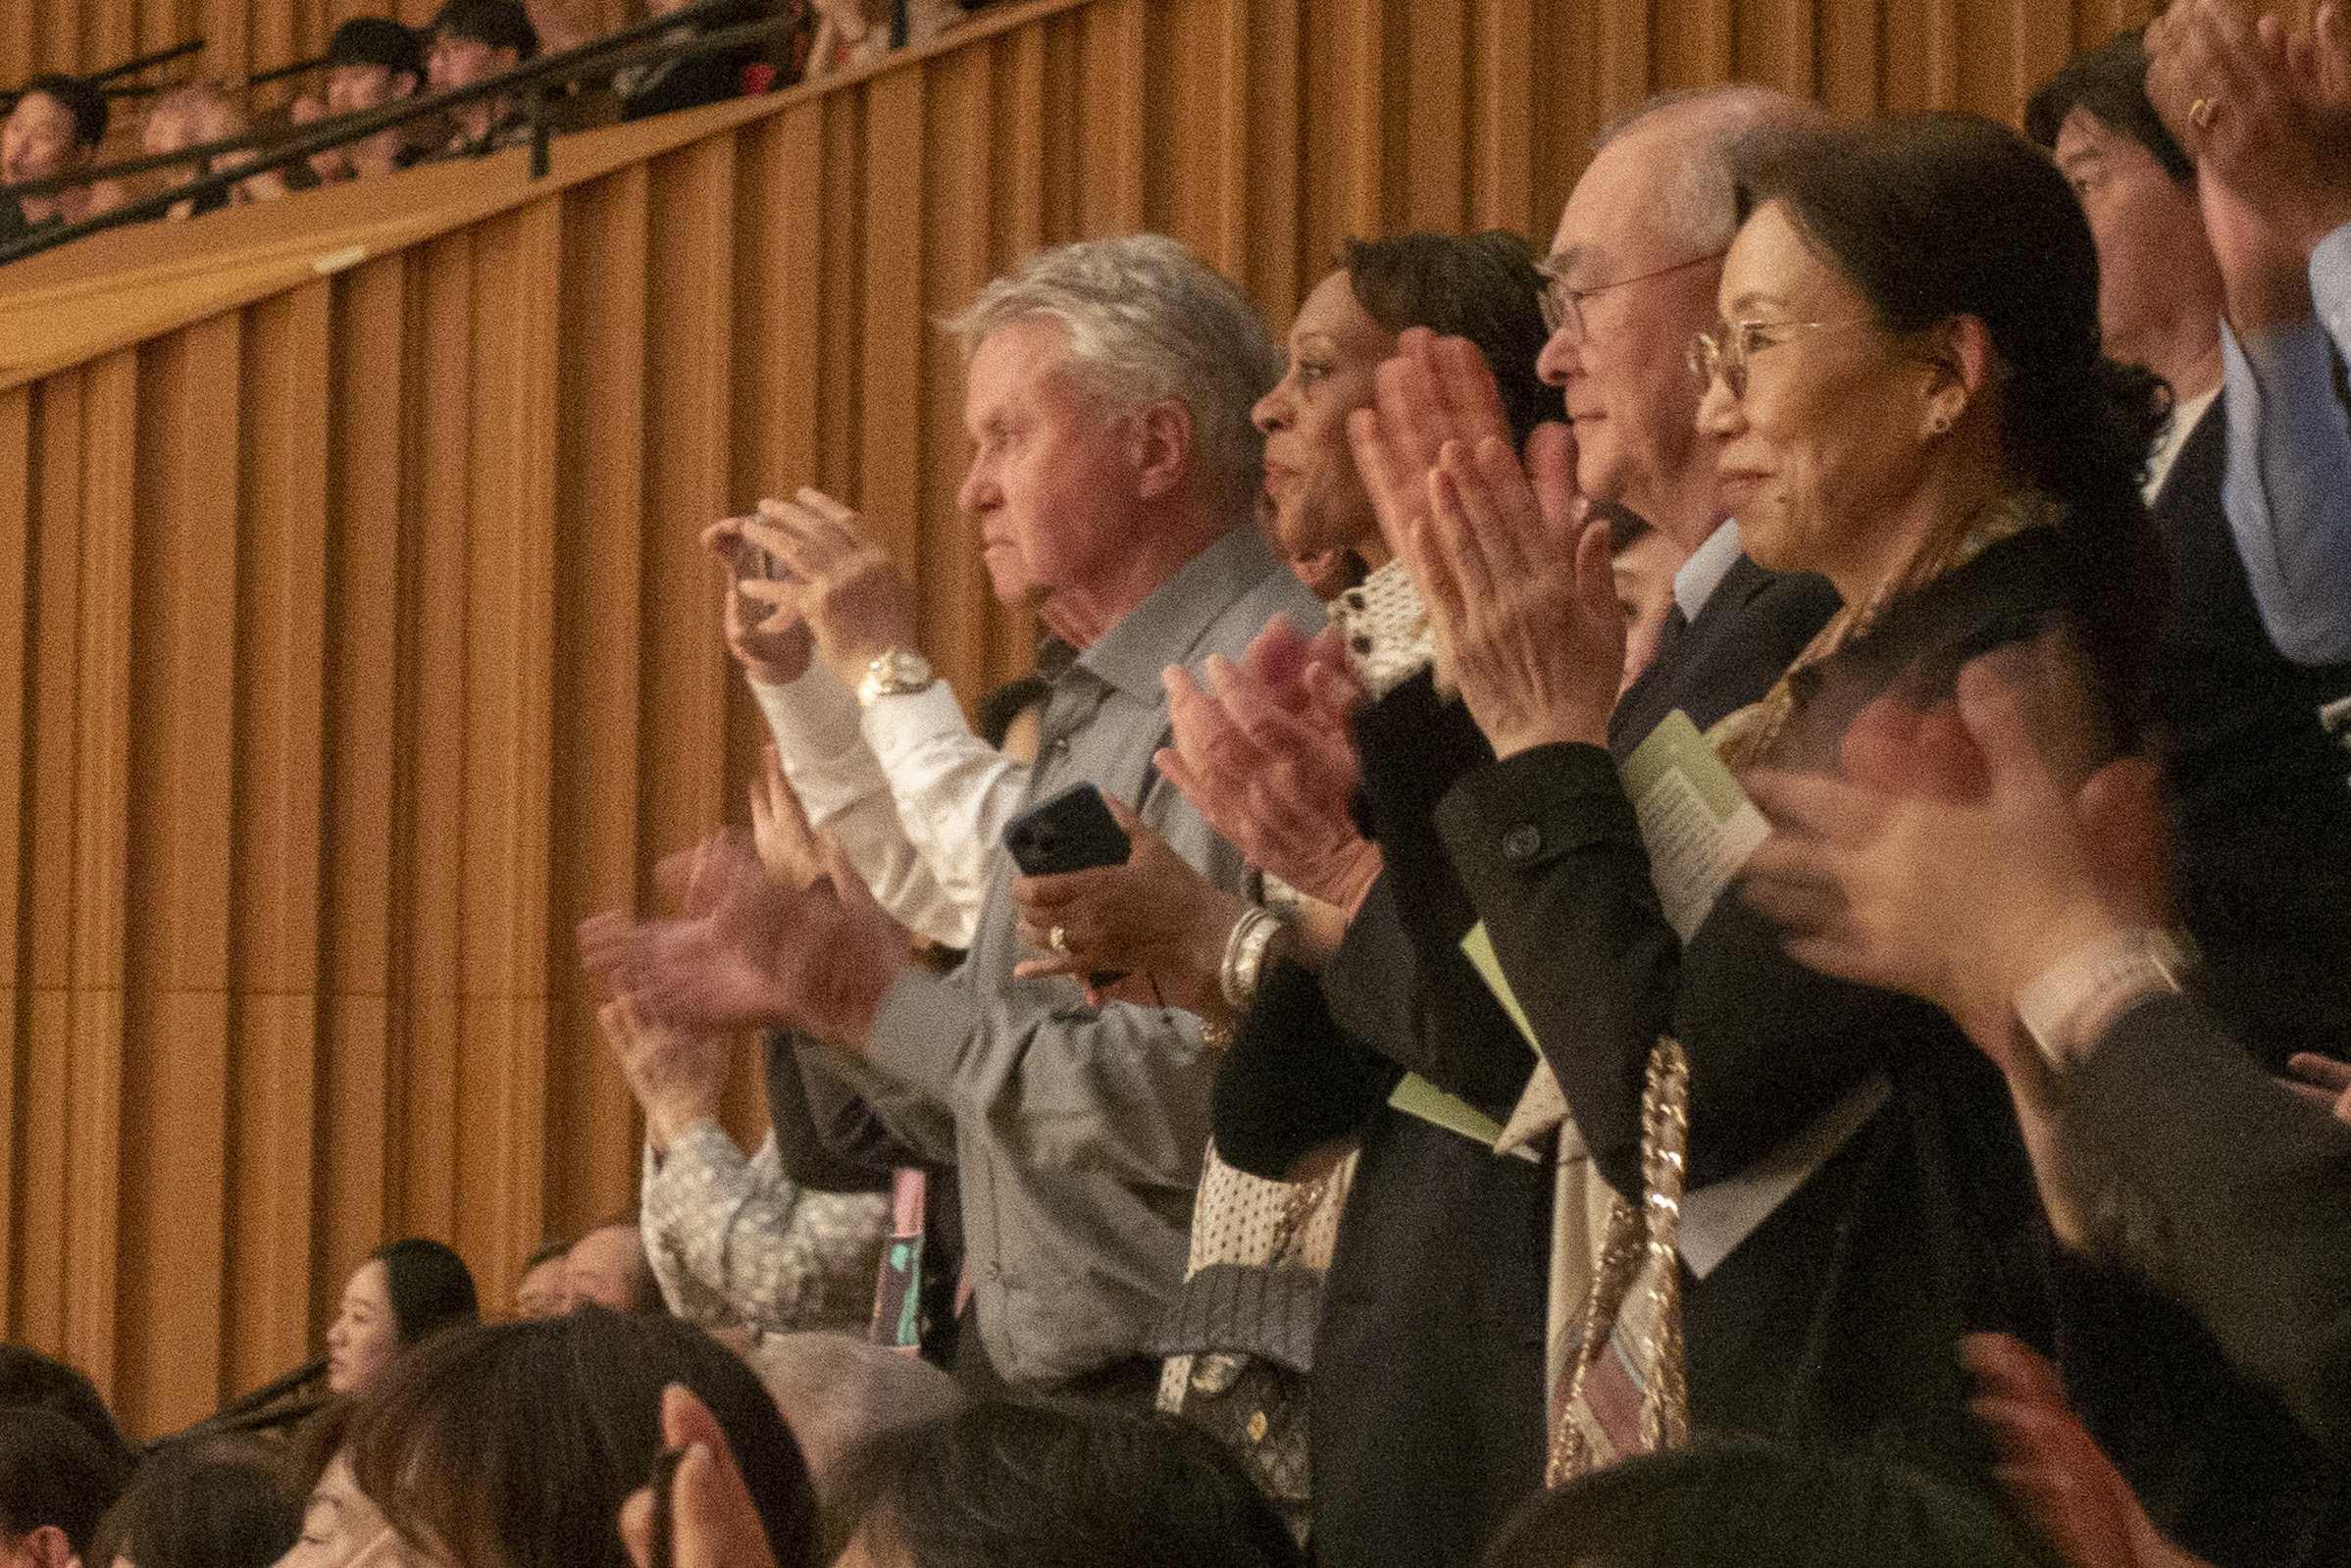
x=892, y=674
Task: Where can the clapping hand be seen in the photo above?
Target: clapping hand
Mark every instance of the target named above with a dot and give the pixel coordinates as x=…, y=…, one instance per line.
x=748, y=949
x=677, y=1076
x=1957, y=860
x=1264, y=754
x=1510, y=562
x=2053, y=1468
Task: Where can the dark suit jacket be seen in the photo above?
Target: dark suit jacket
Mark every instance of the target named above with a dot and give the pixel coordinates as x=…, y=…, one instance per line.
x=2260, y=808
x=2252, y=1187
x=1835, y=1320
x=1427, y=1421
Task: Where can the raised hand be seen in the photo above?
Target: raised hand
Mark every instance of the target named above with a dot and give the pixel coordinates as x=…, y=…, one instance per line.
x=2052, y=1467
x=777, y=649
x=752, y=950
x=788, y=845
x=713, y=1521
x=855, y=601
x=1264, y=754
x=677, y=1076
x=2265, y=112
x=2322, y=1081
x=1951, y=893
x=1434, y=391
x=1154, y=919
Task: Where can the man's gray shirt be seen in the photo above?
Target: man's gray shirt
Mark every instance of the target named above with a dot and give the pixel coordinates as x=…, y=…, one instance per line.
x=1078, y=1133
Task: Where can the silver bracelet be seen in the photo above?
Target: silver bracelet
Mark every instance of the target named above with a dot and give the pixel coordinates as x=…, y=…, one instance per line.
x=1245, y=950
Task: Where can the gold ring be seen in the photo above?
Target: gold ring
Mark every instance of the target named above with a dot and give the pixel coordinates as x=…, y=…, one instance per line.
x=1058, y=940
x=2202, y=112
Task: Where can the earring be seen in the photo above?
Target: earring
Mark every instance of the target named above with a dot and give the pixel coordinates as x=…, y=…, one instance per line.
x=1940, y=424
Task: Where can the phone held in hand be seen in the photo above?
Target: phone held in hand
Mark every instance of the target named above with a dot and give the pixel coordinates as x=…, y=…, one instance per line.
x=664, y=1483
x=752, y=564
x=1072, y=832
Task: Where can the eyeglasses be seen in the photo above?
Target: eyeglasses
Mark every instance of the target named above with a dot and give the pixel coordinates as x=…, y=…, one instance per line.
x=1726, y=351
x=1563, y=306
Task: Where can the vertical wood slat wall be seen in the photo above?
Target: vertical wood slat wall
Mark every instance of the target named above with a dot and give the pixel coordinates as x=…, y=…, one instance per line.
x=364, y=645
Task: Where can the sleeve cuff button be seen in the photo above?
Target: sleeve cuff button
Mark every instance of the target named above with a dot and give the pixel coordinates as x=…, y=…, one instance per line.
x=1523, y=843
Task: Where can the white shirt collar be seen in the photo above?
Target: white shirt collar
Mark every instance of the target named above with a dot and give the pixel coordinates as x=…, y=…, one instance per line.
x=1702, y=572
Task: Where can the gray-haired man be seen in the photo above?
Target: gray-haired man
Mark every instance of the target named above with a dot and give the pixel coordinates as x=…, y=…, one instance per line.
x=1113, y=481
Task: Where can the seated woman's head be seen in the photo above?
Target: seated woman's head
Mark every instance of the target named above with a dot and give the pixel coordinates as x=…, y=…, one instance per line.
x=1745, y=1500
x=202, y=1502
x=1911, y=336
x=1485, y=288
x=513, y=1445
x=1071, y=1484
x=404, y=1292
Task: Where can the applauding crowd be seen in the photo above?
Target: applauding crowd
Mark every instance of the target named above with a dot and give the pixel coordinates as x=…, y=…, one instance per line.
x=1681, y=901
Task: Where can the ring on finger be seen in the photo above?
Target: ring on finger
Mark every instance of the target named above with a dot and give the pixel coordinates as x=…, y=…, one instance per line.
x=2202, y=112
x=1058, y=940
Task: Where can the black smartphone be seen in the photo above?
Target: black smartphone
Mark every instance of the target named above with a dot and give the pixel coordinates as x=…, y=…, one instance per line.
x=664, y=1481
x=1072, y=832
x=751, y=565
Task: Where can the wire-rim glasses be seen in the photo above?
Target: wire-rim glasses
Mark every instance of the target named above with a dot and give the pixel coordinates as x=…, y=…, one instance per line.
x=1563, y=306
x=1725, y=351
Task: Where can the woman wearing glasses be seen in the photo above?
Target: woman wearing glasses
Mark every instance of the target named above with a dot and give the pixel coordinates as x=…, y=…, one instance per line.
x=1909, y=399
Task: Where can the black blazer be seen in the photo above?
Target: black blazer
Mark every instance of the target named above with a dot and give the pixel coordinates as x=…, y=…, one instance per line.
x=2261, y=812
x=1426, y=1430
x=1835, y=1320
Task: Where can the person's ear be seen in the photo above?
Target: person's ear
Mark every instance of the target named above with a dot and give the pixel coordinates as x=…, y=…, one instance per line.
x=1161, y=443
x=43, y=1546
x=1959, y=359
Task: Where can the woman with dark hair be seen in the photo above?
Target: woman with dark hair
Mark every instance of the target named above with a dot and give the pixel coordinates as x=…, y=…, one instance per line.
x=1912, y=402
x=201, y=1503
x=1067, y=1485
x=513, y=1445
x=405, y=1292
x=1909, y=399
x=1744, y=1500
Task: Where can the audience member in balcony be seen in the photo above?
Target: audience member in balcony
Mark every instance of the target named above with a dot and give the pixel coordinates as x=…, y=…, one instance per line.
x=54, y=130
x=56, y=1482
x=373, y=62
x=404, y=1292
x=540, y=1292
x=202, y=1502
x=30, y=1380
x=1073, y=1485
x=476, y=41
x=1114, y=478
x=852, y=33
x=194, y=116
x=658, y=86
x=2262, y=822
x=514, y=1445
x=837, y=1390
x=607, y=1267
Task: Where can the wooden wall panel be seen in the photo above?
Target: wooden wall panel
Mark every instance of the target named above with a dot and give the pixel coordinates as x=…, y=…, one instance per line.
x=365, y=647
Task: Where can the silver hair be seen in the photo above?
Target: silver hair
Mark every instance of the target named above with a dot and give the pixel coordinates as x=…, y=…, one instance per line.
x=1699, y=204
x=1149, y=321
